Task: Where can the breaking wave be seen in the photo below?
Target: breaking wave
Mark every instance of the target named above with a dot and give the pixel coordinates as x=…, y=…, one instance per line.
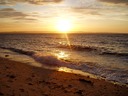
x=90, y=67
x=47, y=59
x=29, y=53
x=99, y=50
x=78, y=47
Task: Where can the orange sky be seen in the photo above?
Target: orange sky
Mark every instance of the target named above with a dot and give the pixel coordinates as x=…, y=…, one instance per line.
x=43, y=15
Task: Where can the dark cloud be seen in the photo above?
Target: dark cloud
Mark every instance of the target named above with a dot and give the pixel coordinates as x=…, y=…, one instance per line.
x=5, y=2
x=116, y=1
x=28, y=19
x=15, y=15
x=7, y=10
x=10, y=13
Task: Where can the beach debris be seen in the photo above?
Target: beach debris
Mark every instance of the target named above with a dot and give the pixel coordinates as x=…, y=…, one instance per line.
x=45, y=94
x=11, y=76
x=79, y=92
x=30, y=84
x=1, y=94
x=86, y=81
x=6, y=55
x=22, y=90
x=69, y=86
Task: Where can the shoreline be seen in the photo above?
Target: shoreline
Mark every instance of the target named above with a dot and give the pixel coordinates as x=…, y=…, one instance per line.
x=20, y=79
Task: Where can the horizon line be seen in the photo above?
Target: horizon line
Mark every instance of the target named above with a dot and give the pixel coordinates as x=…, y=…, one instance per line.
x=55, y=32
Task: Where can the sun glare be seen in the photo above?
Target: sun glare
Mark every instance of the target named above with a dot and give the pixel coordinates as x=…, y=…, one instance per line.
x=64, y=25
x=62, y=55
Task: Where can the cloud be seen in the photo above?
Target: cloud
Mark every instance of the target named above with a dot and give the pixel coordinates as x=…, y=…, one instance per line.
x=11, y=13
x=37, y=2
x=96, y=7
x=7, y=10
x=86, y=11
x=25, y=19
x=15, y=15
x=116, y=1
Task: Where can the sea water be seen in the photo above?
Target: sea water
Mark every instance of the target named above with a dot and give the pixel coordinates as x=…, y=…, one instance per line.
x=104, y=55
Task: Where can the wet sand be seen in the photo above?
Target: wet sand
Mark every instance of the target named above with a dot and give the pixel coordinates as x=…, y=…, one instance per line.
x=19, y=79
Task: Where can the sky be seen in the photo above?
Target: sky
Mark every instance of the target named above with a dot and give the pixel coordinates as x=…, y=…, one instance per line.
x=88, y=16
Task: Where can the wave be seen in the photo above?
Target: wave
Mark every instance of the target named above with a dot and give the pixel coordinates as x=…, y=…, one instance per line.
x=47, y=59
x=78, y=47
x=50, y=60
x=29, y=53
x=99, y=50
x=114, y=53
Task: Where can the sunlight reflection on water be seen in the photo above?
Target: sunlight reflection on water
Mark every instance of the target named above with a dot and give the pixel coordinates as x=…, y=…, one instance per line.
x=64, y=69
x=62, y=55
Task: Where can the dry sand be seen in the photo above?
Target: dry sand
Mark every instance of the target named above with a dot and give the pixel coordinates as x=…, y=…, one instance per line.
x=19, y=79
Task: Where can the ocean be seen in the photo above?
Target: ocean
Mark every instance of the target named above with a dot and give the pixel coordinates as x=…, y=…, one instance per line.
x=102, y=55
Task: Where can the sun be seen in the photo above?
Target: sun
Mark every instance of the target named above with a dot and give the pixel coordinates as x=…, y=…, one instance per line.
x=64, y=25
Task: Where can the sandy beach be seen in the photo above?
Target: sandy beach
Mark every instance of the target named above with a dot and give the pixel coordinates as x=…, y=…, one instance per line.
x=19, y=79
